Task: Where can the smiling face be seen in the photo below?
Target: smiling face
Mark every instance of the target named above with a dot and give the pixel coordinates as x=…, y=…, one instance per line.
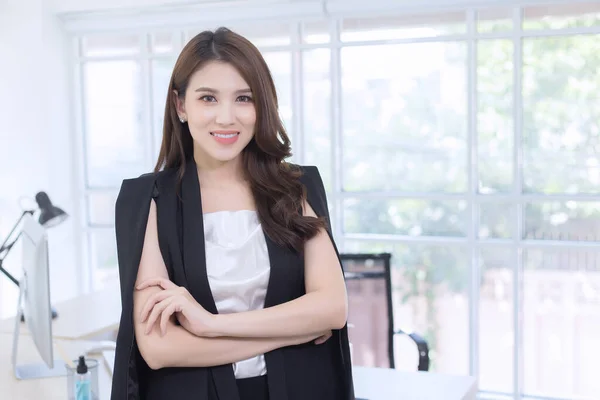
x=220, y=113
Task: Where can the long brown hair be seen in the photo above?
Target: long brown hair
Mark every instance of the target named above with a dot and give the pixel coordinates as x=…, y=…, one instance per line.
x=275, y=184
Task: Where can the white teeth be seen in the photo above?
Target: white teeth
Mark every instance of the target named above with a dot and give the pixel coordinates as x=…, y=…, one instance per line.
x=225, y=136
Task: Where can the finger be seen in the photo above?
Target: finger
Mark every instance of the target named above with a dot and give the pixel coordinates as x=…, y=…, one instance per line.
x=152, y=300
x=166, y=314
x=162, y=282
x=156, y=311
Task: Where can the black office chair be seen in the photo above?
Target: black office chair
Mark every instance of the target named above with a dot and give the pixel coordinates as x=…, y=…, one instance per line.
x=371, y=315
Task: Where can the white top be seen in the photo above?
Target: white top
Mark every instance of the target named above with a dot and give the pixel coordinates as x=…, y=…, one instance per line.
x=237, y=265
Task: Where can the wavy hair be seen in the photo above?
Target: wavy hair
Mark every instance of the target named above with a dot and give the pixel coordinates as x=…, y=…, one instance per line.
x=274, y=183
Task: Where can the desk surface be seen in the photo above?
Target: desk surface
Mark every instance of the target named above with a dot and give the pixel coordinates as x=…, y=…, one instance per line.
x=369, y=383
x=82, y=317
x=387, y=384
x=47, y=388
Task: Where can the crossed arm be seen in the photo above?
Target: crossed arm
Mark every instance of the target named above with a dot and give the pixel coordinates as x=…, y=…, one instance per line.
x=234, y=337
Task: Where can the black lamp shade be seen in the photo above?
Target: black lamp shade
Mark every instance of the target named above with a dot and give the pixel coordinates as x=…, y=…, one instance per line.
x=50, y=215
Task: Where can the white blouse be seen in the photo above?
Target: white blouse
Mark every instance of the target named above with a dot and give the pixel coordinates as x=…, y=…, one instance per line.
x=237, y=264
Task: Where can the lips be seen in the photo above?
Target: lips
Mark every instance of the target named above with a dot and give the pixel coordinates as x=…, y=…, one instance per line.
x=225, y=137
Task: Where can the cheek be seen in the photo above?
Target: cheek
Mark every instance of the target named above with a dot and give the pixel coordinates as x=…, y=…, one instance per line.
x=247, y=115
x=199, y=112
x=205, y=113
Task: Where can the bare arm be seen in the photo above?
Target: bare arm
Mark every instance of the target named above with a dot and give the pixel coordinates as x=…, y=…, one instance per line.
x=323, y=307
x=178, y=347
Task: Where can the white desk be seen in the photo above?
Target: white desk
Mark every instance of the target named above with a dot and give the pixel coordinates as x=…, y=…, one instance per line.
x=82, y=317
x=369, y=383
x=388, y=384
x=47, y=388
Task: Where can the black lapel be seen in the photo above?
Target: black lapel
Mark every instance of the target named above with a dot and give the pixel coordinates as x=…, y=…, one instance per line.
x=282, y=270
x=194, y=264
x=194, y=256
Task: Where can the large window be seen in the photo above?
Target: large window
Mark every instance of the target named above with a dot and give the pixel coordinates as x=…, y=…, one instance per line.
x=466, y=143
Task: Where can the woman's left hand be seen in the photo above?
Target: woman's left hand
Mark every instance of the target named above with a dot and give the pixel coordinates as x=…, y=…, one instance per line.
x=176, y=300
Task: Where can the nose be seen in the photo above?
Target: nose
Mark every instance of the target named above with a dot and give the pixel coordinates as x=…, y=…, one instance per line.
x=225, y=114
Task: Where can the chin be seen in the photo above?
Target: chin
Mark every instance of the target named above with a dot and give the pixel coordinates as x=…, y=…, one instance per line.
x=225, y=155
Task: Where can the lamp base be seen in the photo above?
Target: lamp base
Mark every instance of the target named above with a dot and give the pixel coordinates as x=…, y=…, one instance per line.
x=54, y=315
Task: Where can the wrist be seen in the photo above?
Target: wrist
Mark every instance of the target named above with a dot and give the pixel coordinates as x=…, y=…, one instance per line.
x=216, y=326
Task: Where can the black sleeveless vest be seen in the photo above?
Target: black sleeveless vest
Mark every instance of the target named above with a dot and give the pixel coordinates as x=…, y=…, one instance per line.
x=300, y=372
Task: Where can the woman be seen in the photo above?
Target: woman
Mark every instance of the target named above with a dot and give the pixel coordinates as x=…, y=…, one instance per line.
x=231, y=285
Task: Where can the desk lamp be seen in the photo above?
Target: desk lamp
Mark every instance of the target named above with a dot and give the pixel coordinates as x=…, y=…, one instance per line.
x=50, y=216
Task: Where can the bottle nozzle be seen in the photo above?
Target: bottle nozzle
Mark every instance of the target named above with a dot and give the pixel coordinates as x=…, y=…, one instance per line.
x=82, y=366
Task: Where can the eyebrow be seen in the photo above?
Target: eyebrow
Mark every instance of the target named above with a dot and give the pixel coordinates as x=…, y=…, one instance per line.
x=215, y=91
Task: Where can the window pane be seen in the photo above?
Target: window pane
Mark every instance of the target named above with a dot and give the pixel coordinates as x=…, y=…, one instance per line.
x=115, y=141
x=405, y=123
x=430, y=294
x=496, y=220
x=264, y=35
x=495, y=127
x=103, y=254
x=162, y=69
x=280, y=65
x=316, y=32
x=110, y=45
x=561, y=124
x=102, y=207
x=561, y=322
x=402, y=27
x=559, y=16
x=406, y=217
x=164, y=42
x=496, y=333
x=570, y=220
x=317, y=112
x=494, y=20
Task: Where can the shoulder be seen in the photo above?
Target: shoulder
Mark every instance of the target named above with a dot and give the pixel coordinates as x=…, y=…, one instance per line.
x=315, y=194
x=309, y=176
x=135, y=189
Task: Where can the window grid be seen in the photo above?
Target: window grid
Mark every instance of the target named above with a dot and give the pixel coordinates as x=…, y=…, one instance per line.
x=472, y=160
x=518, y=373
x=517, y=197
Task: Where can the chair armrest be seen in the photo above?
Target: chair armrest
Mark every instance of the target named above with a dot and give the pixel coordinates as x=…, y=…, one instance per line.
x=422, y=347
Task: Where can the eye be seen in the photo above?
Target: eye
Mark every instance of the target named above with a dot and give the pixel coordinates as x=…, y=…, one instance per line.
x=208, y=98
x=245, y=99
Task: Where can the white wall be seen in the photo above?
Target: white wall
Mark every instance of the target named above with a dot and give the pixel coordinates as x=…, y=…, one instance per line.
x=36, y=145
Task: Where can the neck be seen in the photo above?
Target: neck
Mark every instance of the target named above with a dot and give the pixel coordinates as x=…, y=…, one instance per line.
x=218, y=172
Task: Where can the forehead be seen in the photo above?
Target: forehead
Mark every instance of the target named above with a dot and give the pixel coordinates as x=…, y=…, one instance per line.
x=218, y=75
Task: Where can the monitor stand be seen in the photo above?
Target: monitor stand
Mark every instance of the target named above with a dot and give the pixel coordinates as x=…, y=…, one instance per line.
x=31, y=371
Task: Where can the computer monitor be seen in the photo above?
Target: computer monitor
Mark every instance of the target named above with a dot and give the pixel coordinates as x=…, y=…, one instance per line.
x=34, y=303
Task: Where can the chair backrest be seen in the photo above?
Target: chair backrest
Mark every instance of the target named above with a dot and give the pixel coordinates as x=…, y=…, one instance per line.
x=370, y=313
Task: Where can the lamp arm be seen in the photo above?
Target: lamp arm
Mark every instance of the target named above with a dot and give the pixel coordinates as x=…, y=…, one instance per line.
x=5, y=248
x=5, y=272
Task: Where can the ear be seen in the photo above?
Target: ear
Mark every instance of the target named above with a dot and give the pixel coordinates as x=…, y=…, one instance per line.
x=179, y=104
